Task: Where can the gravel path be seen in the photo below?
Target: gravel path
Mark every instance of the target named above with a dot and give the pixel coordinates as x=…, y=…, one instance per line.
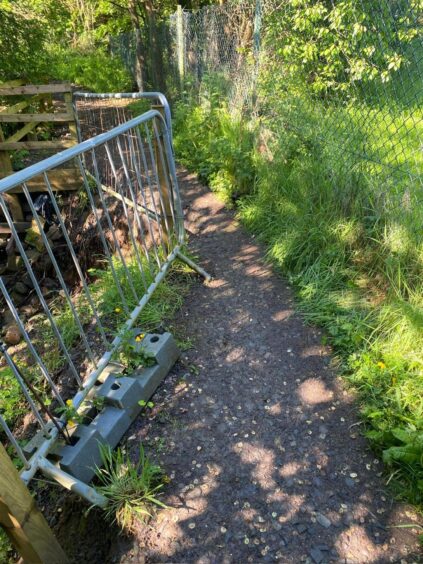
x=261, y=441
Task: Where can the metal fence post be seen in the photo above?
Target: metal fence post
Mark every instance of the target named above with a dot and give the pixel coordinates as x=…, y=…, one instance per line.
x=22, y=521
x=181, y=44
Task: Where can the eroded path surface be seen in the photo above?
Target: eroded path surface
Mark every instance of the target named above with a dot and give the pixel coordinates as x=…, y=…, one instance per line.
x=260, y=439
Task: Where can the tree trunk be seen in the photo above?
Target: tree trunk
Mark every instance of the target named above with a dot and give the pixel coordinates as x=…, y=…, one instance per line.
x=139, y=57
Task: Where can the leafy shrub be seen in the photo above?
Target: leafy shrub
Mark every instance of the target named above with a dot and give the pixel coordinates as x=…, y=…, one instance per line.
x=94, y=69
x=22, y=42
x=330, y=45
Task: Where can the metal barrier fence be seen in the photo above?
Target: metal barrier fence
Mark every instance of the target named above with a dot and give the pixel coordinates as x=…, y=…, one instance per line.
x=126, y=223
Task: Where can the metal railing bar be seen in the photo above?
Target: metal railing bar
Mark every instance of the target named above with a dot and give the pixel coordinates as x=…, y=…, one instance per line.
x=156, y=175
x=161, y=98
x=131, y=233
x=177, y=202
x=131, y=190
x=60, y=158
x=14, y=443
x=158, y=135
x=71, y=483
x=110, y=224
x=103, y=362
x=150, y=186
x=76, y=261
x=63, y=285
x=28, y=341
x=103, y=239
x=141, y=190
x=24, y=389
x=140, y=208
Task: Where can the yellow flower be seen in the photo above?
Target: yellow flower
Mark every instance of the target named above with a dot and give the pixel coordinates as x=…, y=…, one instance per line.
x=69, y=403
x=117, y=310
x=71, y=423
x=381, y=365
x=140, y=337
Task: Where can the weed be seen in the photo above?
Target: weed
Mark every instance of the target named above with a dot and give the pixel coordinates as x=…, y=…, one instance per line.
x=132, y=354
x=132, y=490
x=144, y=403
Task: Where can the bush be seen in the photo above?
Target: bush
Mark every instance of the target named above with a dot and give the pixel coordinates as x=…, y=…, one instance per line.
x=94, y=69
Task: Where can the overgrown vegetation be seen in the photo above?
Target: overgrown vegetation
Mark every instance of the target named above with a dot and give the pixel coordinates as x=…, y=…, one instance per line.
x=165, y=301
x=132, y=490
x=313, y=176
x=44, y=40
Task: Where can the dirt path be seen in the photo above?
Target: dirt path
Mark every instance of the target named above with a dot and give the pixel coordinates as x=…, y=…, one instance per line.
x=259, y=438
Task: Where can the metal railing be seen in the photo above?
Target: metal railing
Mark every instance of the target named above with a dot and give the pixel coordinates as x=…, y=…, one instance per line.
x=126, y=223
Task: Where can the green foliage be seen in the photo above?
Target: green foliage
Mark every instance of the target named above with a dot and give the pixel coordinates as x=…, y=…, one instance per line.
x=331, y=44
x=94, y=69
x=5, y=548
x=218, y=146
x=131, y=490
x=22, y=42
x=132, y=353
x=338, y=226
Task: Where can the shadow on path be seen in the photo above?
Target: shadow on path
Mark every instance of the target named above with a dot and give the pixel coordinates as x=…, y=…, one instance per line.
x=260, y=439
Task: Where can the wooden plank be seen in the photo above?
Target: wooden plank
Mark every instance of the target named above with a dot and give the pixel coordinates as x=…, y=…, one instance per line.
x=33, y=145
x=33, y=89
x=61, y=180
x=11, y=83
x=24, y=118
x=5, y=162
x=20, y=227
x=21, y=132
x=14, y=206
x=22, y=521
x=16, y=107
x=70, y=109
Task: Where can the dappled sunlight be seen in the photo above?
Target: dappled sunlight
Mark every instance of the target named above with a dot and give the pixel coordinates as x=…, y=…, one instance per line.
x=260, y=442
x=290, y=469
x=316, y=350
x=282, y=315
x=235, y=355
x=263, y=461
x=312, y=391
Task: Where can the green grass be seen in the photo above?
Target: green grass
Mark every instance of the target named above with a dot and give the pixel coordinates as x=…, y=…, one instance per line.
x=165, y=301
x=345, y=228
x=131, y=490
x=133, y=494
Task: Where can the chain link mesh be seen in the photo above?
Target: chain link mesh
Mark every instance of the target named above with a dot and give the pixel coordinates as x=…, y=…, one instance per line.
x=379, y=119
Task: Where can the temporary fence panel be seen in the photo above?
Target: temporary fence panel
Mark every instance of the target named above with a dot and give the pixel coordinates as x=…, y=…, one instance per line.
x=125, y=222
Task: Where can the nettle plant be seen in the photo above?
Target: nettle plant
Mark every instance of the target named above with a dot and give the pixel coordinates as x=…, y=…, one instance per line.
x=332, y=44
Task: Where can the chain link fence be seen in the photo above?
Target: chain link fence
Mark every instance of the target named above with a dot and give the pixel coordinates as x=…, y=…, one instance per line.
x=358, y=63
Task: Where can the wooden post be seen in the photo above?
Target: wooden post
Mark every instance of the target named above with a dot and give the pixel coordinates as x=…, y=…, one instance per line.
x=181, y=44
x=164, y=179
x=22, y=521
x=70, y=110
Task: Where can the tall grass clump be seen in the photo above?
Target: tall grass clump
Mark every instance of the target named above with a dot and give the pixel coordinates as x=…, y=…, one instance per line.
x=344, y=228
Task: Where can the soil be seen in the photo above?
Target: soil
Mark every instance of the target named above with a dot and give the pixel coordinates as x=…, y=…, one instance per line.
x=259, y=436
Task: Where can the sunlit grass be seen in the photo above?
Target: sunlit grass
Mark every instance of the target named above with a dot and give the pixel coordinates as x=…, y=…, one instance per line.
x=337, y=203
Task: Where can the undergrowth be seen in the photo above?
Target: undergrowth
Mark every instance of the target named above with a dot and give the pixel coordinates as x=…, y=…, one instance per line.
x=132, y=490
x=345, y=229
x=112, y=306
